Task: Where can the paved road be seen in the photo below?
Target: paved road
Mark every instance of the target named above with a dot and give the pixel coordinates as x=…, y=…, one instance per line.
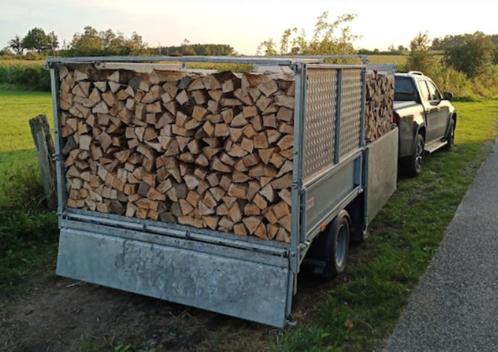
x=455, y=306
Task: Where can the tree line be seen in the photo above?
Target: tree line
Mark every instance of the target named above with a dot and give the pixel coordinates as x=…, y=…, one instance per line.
x=471, y=53
x=92, y=42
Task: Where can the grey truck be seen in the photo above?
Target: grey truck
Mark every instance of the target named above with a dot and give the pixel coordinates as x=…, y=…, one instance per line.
x=426, y=119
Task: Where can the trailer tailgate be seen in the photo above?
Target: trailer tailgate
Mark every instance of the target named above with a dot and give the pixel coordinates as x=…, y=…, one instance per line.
x=253, y=286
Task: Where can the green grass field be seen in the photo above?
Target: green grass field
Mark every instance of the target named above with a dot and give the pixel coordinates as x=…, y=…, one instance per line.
x=14, y=62
x=27, y=231
x=355, y=312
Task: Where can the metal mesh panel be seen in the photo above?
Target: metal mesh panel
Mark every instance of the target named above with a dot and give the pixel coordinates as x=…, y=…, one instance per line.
x=350, y=111
x=319, y=121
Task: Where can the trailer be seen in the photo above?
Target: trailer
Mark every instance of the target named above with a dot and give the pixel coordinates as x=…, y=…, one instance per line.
x=339, y=183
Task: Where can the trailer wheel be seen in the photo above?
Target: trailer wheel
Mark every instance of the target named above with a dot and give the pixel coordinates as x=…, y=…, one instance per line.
x=332, y=247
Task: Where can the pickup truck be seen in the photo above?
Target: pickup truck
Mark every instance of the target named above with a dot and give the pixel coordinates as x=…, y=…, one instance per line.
x=426, y=119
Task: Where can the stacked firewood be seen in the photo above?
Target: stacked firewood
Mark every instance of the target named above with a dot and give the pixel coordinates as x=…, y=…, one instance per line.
x=379, y=105
x=209, y=150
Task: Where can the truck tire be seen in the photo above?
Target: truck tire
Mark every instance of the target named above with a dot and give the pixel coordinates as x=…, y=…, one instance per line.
x=451, y=136
x=331, y=247
x=414, y=163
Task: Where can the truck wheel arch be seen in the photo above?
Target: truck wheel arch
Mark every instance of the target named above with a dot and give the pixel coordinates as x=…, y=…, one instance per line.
x=421, y=130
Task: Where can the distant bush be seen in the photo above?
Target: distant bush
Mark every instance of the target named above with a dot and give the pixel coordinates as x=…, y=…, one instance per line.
x=29, y=76
x=450, y=80
x=473, y=56
x=484, y=85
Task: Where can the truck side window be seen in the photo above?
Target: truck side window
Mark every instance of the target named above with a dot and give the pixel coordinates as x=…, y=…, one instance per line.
x=424, y=91
x=433, y=92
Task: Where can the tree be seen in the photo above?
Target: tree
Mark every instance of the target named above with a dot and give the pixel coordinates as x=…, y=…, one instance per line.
x=93, y=42
x=16, y=45
x=53, y=42
x=87, y=43
x=473, y=55
x=6, y=51
x=420, y=58
x=267, y=48
x=36, y=39
x=197, y=49
x=329, y=37
x=402, y=49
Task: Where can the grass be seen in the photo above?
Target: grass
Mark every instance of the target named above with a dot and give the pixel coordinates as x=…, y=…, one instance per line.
x=15, y=62
x=359, y=313
x=27, y=231
x=388, y=59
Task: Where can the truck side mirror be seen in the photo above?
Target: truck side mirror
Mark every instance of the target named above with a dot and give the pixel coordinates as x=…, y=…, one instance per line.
x=448, y=96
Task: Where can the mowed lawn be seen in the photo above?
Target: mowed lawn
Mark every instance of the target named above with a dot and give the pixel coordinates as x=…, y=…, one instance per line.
x=354, y=312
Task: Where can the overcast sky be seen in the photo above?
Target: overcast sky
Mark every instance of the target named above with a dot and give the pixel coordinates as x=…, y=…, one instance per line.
x=244, y=24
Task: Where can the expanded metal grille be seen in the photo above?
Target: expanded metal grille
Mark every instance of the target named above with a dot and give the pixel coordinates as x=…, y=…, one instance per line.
x=351, y=101
x=319, y=122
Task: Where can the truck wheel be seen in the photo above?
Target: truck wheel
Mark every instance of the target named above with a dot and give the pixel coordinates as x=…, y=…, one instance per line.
x=332, y=247
x=451, y=136
x=414, y=163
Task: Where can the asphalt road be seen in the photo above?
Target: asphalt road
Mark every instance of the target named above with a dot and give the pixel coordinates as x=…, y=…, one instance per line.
x=455, y=306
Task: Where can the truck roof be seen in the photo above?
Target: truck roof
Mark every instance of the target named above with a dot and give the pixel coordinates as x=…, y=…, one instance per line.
x=411, y=74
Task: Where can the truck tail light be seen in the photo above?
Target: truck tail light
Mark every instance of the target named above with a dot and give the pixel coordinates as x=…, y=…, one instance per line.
x=395, y=119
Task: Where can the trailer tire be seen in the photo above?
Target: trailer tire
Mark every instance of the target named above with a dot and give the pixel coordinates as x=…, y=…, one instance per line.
x=333, y=246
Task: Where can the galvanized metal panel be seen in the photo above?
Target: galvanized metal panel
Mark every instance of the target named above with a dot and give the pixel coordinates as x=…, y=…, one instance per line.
x=351, y=111
x=223, y=284
x=119, y=223
x=328, y=190
x=319, y=123
x=382, y=172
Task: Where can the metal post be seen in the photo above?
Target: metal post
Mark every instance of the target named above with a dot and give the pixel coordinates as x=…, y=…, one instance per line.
x=363, y=104
x=300, y=79
x=337, y=146
x=61, y=193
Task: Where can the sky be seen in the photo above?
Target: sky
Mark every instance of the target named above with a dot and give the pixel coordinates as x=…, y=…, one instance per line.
x=245, y=24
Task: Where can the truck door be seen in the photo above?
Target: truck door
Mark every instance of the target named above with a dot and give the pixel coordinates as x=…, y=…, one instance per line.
x=433, y=113
x=440, y=121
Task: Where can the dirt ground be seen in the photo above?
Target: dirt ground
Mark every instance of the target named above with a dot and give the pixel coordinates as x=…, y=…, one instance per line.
x=65, y=315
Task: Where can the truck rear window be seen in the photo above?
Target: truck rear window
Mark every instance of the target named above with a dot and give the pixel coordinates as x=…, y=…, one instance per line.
x=404, y=89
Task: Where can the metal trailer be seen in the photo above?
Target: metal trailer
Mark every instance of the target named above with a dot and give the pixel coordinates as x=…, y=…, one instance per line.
x=242, y=277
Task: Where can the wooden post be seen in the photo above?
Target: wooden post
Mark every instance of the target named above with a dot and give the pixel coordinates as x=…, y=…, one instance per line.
x=45, y=150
